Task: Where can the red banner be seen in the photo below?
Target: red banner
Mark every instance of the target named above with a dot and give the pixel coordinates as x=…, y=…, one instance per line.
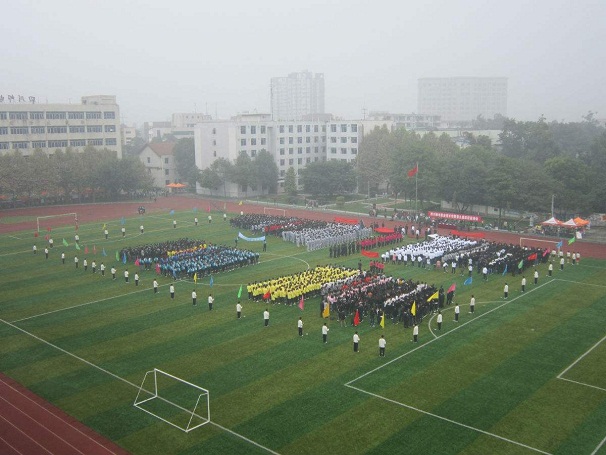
x=370, y=254
x=346, y=220
x=384, y=230
x=454, y=216
x=471, y=235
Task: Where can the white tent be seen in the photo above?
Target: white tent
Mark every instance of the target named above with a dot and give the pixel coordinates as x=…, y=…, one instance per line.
x=551, y=222
x=569, y=224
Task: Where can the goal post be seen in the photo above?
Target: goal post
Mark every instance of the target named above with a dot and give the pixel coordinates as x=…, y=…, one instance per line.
x=45, y=222
x=173, y=400
x=274, y=211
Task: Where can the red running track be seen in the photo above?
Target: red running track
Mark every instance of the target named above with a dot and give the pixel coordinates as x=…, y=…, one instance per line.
x=30, y=425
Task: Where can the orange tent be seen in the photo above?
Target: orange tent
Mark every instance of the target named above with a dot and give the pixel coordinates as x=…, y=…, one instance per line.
x=580, y=221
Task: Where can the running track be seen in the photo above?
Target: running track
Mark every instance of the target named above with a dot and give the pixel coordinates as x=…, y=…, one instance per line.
x=30, y=425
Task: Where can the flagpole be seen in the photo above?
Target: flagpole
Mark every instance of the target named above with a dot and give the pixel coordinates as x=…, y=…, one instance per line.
x=416, y=187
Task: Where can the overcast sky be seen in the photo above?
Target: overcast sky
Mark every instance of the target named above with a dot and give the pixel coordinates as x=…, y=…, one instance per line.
x=160, y=57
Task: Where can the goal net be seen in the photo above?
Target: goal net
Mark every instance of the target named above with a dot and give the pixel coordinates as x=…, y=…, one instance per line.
x=48, y=222
x=274, y=211
x=173, y=400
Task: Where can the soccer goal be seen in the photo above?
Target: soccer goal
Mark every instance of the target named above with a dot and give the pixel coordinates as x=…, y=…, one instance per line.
x=45, y=222
x=524, y=241
x=173, y=400
x=274, y=211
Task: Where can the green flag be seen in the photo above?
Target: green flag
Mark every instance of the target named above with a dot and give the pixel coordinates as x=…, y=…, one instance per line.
x=117, y=256
x=521, y=264
x=572, y=240
x=65, y=242
x=77, y=247
x=240, y=292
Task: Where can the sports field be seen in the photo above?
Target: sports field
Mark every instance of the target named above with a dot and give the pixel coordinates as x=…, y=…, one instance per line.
x=520, y=376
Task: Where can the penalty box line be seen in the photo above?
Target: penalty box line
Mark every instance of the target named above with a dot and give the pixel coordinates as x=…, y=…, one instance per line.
x=126, y=381
x=581, y=357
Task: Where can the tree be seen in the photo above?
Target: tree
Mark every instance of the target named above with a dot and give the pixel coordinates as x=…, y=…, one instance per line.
x=372, y=163
x=290, y=182
x=328, y=178
x=185, y=160
x=243, y=172
x=532, y=140
x=266, y=172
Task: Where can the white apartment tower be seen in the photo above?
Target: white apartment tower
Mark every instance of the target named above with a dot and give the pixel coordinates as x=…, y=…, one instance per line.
x=462, y=99
x=297, y=95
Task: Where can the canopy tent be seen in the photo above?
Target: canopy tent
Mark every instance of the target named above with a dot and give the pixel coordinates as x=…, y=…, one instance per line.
x=551, y=222
x=580, y=221
x=570, y=224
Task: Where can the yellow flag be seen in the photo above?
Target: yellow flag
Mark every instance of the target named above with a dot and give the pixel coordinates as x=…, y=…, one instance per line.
x=196, y=277
x=104, y=226
x=382, y=323
x=326, y=312
x=433, y=296
x=240, y=203
x=413, y=309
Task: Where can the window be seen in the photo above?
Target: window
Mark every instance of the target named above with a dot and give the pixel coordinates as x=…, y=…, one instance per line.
x=299, y=140
x=77, y=129
x=282, y=162
x=281, y=128
x=333, y=128
x=90, y=115
x=3, y=116
x=75, y=115
x=243, y=130
x=307, y=160
x=281, y=151
x=17, y=116
x=253, y=129
x=166, y=171
x=215, y=153
x=354, y=140
x=109, y=115
x=214, y=130
x=166, y=182
x=253, y=141
x=38, y=144
x=290, y=128
x=291, y=150
x=3, y=145
x=333, y=150
x=92, y=129
x=214, y=142
x=315, y=128
x=343, y=128
x=95, y=142
x=324, y=128
x=57, y=129
x=315, y=159
x=308, y=139
x=243, y=142
x=262, y=129
x=148, y=160
x=282, y=174
x=36, y=115
x=110, y=128
x=344, y=151
x=263, y=141
x=299, y=128
x=77, y=143
x=291, y=140
x=165, y=160
x=281, y=140
x=3, y=130
x=308, y=128
x=343, y=140
x=300, y=150
x=307, y=149
x=354, y=151
x=20, y=145
x=354, y=128
x=291, y=162
x=299, y=160
x=333, y=140
x=253, y=153
x=316, y=149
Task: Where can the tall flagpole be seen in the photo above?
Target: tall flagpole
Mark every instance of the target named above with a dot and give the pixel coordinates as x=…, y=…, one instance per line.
x=416, y=187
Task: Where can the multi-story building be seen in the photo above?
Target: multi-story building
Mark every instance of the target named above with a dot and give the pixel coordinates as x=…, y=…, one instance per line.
x=411, y=122
x=129, y=133
x=182, y=125
x=291, y=143
x=297, y=95
x=159, y=161
x=48, y=127
x=462, y=99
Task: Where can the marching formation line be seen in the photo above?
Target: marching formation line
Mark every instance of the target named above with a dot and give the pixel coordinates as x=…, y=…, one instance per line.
x=126, y=381
x=446, y=419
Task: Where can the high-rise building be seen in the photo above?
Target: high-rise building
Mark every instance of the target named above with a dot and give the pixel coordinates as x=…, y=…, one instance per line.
x=297, y=95
x=462, y=99
x=48, y=127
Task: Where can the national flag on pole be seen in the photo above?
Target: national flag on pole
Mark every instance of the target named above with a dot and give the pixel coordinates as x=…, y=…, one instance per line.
x=117, y=256
x=468, y=281
x=572, y=240
x=413, y=171
x=302, y=304
x=240, y=292
x=103, y=253
x=521, y=264
x=452, y=288
x=326, y=312
x=559, y=245
x=433, y=296
x=357, y=318
x=382, y=323
x=172, y=212
x=532, y=257
x=505, y=271
x=65, y=243
x=413, y=308
x=212, y=280
x=123, y=258
x=77, y=247
x=196, y=277
x=85, y=250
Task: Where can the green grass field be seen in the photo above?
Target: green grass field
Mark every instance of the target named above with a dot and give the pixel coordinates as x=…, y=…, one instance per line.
x=521, y=376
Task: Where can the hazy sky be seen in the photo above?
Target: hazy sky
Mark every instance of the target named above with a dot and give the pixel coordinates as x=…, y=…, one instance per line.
x=160, y=57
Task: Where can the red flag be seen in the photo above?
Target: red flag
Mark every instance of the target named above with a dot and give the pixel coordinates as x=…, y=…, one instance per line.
x=208, y=210
x=35, y=234
x=370, y=254
x=267, y=295
x=137, y=262
x=302, y=303
x=158, y=268
x=414, y=171
x=452, y=288
x=546, y=252
x=94, y=249
x=46, y=237
x=48, y=229
x=357, y=318
x=85, y=250
x=532, y=257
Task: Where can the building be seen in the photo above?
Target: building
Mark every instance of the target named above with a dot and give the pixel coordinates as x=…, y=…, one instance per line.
x=182, y=125
x=159, y=161
x=411, y=122
x=462, y=99
x=48, y=127
x=156, y=130
x=291, y=143
x=129, y=133
x=297, y=95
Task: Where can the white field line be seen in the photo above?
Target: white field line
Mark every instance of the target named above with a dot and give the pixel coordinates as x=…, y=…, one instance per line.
x=126, y=381
x=454, y=422
x=595, y=451
x=560, y=376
